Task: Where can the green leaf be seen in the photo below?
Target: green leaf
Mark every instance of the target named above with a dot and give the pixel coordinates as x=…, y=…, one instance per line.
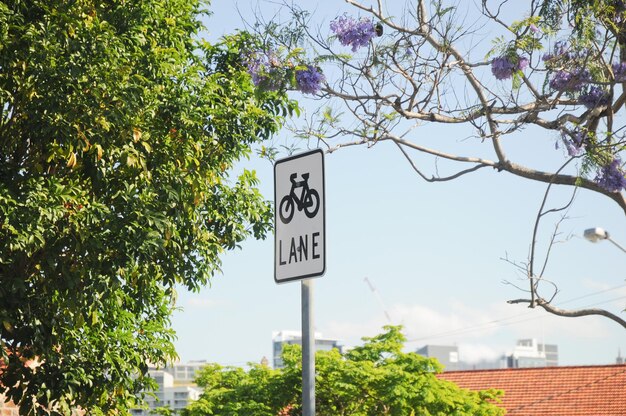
x=113, y=187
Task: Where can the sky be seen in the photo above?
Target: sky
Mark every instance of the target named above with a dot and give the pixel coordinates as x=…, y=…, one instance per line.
x=435, y=254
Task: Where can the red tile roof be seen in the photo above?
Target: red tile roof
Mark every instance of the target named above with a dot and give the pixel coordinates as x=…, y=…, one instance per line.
x=555, y=391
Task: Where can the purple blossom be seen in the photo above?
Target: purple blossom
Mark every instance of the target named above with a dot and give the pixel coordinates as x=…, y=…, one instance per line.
x=561, y=51
x=352, y=32
x=562, y=54
x=503, y=67
x=534, y=28
x=571, y=149
x=522, y=63
x=611, y=177
x=309, y=80
x=594, y=97
x=619, y=71
x=579, y=138
x=263, y=68
x=570, y=81
x=575, y=143
x=561, y=48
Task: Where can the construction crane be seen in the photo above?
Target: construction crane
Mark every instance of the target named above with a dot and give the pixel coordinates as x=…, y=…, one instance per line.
x=380, y=300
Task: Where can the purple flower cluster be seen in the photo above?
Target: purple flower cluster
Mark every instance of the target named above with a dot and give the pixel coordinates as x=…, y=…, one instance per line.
x=522, y=63
x=575, y=143
x=561, y=51
x=309, y=80
x=570, y=81
x=352, y=32
x=611, y=177
x=503, y=67
x=594, y=97
x=263, y=68
x=619, y=72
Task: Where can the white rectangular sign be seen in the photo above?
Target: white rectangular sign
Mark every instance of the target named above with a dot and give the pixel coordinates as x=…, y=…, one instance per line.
x=300, y=217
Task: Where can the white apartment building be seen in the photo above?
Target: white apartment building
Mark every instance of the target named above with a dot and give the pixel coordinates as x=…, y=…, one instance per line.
x=281, y=338
x=172, y=393
x=526, y=353
x=185, y=373
x=531, y=353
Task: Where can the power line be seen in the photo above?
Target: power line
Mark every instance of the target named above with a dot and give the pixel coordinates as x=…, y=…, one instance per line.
x=605, y=301
x=503, y=321
x=593, y=294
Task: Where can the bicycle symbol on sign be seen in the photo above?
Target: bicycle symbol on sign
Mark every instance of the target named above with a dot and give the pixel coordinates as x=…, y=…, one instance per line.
x=308, y=200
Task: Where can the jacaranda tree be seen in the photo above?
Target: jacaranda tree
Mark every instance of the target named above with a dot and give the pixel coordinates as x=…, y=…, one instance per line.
x=384, y=70
x=374, y=379
x=118, y=129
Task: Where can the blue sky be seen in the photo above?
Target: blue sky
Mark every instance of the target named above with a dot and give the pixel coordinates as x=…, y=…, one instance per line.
x=433, y=251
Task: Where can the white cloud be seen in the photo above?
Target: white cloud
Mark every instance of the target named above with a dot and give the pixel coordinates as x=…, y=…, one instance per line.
x=351, y=333
x=475, y=353
x=481, y=332
x=455, y=320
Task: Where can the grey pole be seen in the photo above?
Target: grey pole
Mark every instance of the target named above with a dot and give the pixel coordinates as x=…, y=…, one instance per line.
x=616, y=244
x=308, y=350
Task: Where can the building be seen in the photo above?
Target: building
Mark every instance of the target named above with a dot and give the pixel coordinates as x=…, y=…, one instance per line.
x=447, y=355
x=530, y=353
x=562, y=391
x=185, y=373
x=175, y=387
x=295, y=337
x=552, y=354
x=527, y=353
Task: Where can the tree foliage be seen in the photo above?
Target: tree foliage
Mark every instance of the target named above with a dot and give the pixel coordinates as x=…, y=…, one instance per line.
x=376, y=378
x=118, y=129
x=555, y=70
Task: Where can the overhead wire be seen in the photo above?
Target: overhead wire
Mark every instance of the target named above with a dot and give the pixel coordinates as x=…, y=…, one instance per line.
x=513, y=318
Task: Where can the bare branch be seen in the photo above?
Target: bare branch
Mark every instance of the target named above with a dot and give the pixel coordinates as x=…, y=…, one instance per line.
x=573, y=313
x=540, y=214
x=444, y=155
x=434, y=178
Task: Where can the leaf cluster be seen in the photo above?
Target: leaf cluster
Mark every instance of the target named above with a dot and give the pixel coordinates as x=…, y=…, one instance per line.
x=376, y=378
x=118, y=130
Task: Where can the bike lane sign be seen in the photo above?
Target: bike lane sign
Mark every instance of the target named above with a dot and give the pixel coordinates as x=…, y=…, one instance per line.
x=299, y=218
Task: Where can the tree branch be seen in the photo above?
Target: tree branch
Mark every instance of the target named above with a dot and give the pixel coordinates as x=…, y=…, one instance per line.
x=437, y=179
x=573, y=313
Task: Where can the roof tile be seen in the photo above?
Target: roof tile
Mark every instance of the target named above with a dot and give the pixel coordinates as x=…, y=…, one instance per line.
x=562, y=391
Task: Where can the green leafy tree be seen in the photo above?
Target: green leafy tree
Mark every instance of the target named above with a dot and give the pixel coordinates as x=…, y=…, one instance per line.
x=118, y=129
x=374, y=379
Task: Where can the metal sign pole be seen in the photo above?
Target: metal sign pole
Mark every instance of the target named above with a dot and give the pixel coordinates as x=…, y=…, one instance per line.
x=300, y=244
x=308, y=350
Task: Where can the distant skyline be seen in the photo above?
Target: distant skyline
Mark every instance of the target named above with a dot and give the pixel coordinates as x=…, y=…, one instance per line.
x=433, y=252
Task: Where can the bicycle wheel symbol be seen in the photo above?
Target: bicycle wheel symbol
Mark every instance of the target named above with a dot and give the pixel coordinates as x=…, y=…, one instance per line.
x=312, y=203
x=286, y=209
x=308, y=200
